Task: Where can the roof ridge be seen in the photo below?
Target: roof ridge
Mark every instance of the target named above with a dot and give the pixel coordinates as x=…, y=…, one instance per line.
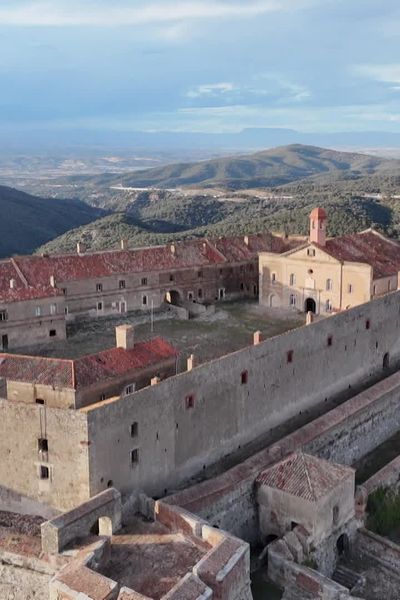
x=19, y=272
x=312, y=491
x=35, y=356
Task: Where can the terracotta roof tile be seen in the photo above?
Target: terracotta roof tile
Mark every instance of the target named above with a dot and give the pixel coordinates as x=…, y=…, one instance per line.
x=235, y=249
x=304, y=476
x=21, y=289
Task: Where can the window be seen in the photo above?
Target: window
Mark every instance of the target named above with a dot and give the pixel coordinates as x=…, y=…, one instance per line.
x=289, y=356
x=64, y=291
x=328, y=285
x=134, y=429
x=328, y=306
x=99, y=287
x=144, y=300
x=3, y=315
x=367, y=324
x=190, y=295
x=292, y=300
x=310, y=251
x=220, y=271
x=199, y=273
x=121, y=284
x=44, y=472
x=273, y=277
x=329, y=341
x=38, y=311
x=99, y=306
x=53, y=309
x=144, y=281
x=242, y=286
x=244, y=377
x=374, y=291
x=350, y=288
x=134, y=456
x=200, y=293
x=39, y=401
x=129, y=389
x=66, y=310
x=171, y=277
x=102, y=397
x=221, y=293
x=292, y=279
x=52, y=333
x=189, y=401
x=389, y=285
x=43, y=445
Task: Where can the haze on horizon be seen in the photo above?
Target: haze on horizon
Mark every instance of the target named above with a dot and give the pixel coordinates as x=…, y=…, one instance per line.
x=198, y=66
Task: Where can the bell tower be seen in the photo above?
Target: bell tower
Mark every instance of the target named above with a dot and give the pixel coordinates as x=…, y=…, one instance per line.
x=318, y=220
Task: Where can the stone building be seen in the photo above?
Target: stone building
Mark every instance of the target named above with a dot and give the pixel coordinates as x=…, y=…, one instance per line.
x=63, y=383
x=38, y=293
x=328, y=275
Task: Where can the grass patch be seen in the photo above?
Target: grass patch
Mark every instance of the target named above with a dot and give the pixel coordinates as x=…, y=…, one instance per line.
x=384, y=512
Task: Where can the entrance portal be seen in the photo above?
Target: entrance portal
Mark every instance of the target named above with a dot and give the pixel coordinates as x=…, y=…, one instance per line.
x=310, y=305
x=386, y=361
x=343, y=545
x=4, y=342
x=173, y=297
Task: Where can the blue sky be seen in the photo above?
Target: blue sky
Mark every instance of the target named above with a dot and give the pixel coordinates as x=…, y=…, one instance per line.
x=203, y=66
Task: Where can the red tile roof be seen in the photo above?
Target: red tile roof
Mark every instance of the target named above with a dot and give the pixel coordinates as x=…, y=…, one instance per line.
x=87, y=370
x=21, y=290
x=318, y=213
x=305, y=476
x=368, y=247
x=242, y=248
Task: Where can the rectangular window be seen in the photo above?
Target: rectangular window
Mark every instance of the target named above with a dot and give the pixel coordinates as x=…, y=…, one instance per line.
x=44, y=472
x=350, y=288
x=311, y=252
x=129, y=389
x=200, y=293
x=329, y=340
x=367, y=324
x=242, y=286
x=292, y=300
x=199, y=273
x=273, y=277
x=64, y=291
x=289, y=356
x=134, y=429
x=39, y=401
x=135, y=456
x=121, y=284
x=52, y=333
x=38, y=311
x=3, y=315
x=144, y=281
x=102, y=397
x=328, y=285
x=171, y=277
x=244, y=377
x=99, y=306
x=53, y=309
x=144, y=300
x=292, y=279
x=99, y=287
x=189, y=401
x=66, y=310
x=43, y=445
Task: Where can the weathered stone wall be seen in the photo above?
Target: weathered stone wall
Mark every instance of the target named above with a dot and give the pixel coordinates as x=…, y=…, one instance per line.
x=208, y=413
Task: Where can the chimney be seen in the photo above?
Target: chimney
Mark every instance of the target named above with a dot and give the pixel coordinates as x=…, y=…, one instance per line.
x=155, y=381
x=246, y=240
x=52, y=281
x=173, y=249
x=80, y=248
x=125, y=336
x=191, y=362
x=257, y=338
x=309, y=318
x=318, y=220
x=13, y=283
x=124, y=245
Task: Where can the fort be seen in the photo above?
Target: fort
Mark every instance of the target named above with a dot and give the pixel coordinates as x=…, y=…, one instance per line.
x=256, y=450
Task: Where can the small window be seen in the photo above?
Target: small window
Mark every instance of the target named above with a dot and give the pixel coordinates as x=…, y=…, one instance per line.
x=44, y=472
x=273, y=277
x=39, y=401
x=129, y=389
x=389, y=287
x=200, y=293
x=99, y=287
x=134, y=429
x=367, y=324
x=221, y=293
x=374, y=290
x=242, y=286
x=244, y=377
x=350, y=288
x=99, y=306
x=199, y=273
x=64, y=291
x=189, y=401
x=289, y=356
x=134, y=456
x=3, y=315
x=121, y=284
x=43, y=445
x=144, y=300
x=52, y=333
x=38, y=311
x=53, y=309
x=66, y=310
x=144, y=281
x=335, y=515
x=328, y=306
x=190, y=295
x=330, y=340
x=292, y=300
x=220, y=271
x=329, y=285
x=311, y=252
x=292, y=279
x=171, y=277
x=102, y=397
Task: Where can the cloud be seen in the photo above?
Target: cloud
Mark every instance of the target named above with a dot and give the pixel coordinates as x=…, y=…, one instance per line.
x=210, y=89
x=388, y=73
x=91, y=13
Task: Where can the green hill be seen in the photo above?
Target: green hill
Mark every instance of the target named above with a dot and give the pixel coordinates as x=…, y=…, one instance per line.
x=29, y=221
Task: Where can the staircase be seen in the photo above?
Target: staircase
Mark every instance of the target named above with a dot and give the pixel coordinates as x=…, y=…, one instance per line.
x=346, y=577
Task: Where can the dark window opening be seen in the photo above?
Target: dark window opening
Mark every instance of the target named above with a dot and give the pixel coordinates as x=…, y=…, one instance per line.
x=43, y=445
x=386, y=361
x=44, y=472
x=135, y=456
x=134, y=429
x=289, y=356
x=367, y=324
x=189, y=401
x=330, y=340
x=293, y=525
x=245, y=377
x=200, y=293
x=242, y=286
x=3, y=315
x=200, y=274
x=144, y=281
x=39, y=401
x=110, y=483
x=335, y=515
x=121, y=284
x=144, y=300
x=171, y=277
x=4, y=342
x=52, y=333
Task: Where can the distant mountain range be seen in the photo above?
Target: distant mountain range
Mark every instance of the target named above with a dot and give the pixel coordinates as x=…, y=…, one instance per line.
x=28, y=221
x=269, y=168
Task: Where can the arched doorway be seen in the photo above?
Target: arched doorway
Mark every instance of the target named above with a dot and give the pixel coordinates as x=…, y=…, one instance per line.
x=173, y=297
x=310, y=305
x=386, y=361
x=343, y=545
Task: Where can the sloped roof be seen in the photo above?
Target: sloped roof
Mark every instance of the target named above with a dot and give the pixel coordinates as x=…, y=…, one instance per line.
x=241, y=248
x=87, y=370
x=21, y=289
x=304, y=476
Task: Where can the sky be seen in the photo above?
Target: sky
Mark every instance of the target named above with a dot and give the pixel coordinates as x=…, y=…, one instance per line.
x=214, y=66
